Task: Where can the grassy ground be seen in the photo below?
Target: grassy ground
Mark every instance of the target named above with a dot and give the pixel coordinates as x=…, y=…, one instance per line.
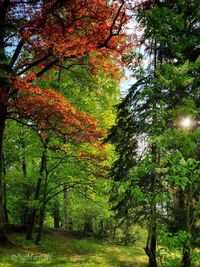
x=58, y=250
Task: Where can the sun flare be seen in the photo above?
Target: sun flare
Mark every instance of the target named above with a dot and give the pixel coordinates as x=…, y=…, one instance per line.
x=186, y=122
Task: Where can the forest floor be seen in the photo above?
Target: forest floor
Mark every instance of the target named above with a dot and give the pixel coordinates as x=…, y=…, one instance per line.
x=59, y=250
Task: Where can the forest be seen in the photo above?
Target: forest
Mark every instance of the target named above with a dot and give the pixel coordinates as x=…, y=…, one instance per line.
x=100, y=133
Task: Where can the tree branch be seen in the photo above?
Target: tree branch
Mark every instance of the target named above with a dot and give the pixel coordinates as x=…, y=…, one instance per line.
x=57, y=193
x=105, y=43
x=33, y=64
x=48, y=67
x=16, y=53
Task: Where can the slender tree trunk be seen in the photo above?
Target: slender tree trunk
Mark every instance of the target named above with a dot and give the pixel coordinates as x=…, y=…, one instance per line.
x=24, y=217
x=44, y=174
x=56, y=216
x=56, y=221
x=4, y=88
x=101, y=229
x=65, y=195
x=186, y=258
x=41, y=223
x=68, y=224
x=178, y=212
x=33, y=213
x=24, y=166
x=3, y=236
x=5, y=202
x=88, y=227
x=43, y=206
x=150, y=248
x=5, y=192
x=26, y=190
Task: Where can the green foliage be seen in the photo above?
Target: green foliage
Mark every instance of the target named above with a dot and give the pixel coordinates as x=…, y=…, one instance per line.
x=160, y=182
x=170, y=248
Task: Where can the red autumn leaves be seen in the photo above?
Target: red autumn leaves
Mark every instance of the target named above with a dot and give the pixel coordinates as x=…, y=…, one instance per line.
x=54, y=34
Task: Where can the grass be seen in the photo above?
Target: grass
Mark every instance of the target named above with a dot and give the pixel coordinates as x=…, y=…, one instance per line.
x=58, y=250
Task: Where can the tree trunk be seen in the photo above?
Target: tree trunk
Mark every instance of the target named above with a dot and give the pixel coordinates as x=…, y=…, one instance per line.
x=3, y=236
x=33, y=213
x=42, y=215
x=44, y=174
x=186, y=258
x=101, y=232
x=5, y=202
x=41, y=223
x=56, y=222
x=56, y=216
x=178, y=212
x=24, y=217
x=24, y=171
x=88, y=227
x=150, y=248
x=5, y=192
x=4, y=89
x=27, y=195
x=68, y=224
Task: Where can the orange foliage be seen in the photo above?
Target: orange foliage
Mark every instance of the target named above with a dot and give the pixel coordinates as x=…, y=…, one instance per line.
x=53, y=33
x=74, y=30
x=49, y=108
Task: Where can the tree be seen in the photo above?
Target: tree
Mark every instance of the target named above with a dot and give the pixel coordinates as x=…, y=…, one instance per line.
x=178, y=56
x=69, y=162
x=78, y=33
x=156, y=103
